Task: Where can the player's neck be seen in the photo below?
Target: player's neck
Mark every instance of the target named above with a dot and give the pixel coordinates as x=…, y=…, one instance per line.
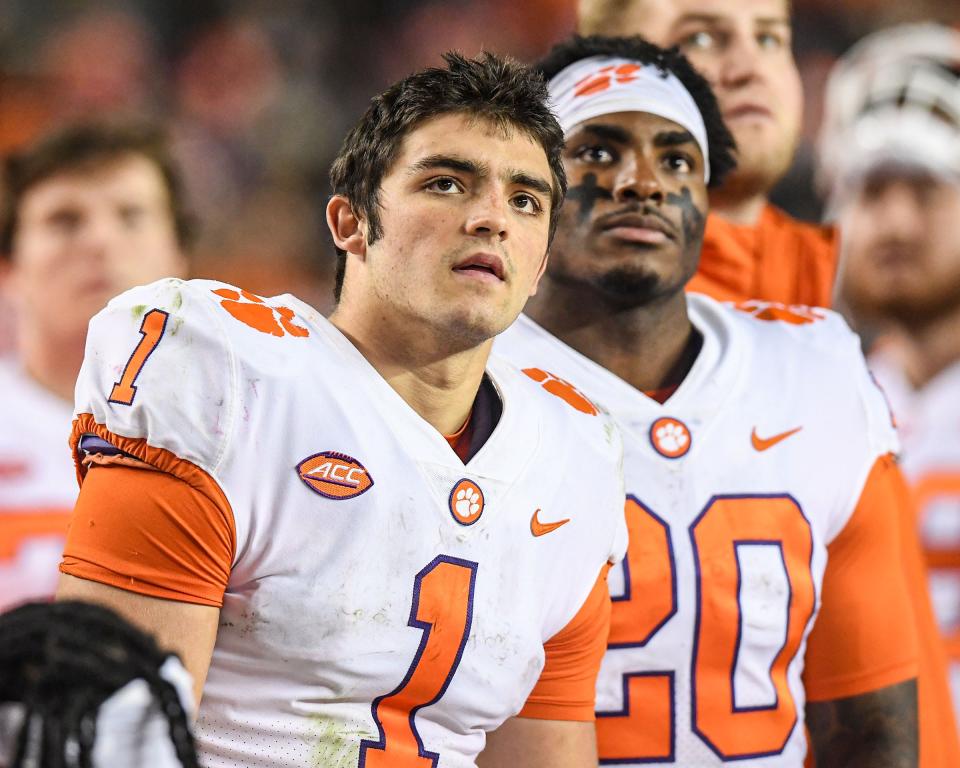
x=743, y=210
x=932, y=347
x=51, y=362
x=650, y=347
x=438, y=383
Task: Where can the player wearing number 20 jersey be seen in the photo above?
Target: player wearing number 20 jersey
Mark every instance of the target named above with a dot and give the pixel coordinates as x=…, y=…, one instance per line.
x=380, y=598
x=757, y=508
x=763, y=565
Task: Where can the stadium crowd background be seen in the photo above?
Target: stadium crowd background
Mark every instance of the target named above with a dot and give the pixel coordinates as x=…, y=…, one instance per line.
x=257, y=96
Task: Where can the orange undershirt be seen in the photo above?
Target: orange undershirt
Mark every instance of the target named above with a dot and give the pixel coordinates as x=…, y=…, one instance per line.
x=778, y=259
x=461, y=440
x=663, y=394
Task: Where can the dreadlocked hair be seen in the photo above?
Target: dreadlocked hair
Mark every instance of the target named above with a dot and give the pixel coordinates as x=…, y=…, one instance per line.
x=62, y=661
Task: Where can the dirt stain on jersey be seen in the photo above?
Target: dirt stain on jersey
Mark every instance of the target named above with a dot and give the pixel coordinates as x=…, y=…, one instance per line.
x=336, y=744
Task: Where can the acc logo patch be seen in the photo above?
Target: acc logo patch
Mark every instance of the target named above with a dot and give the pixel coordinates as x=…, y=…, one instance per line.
x=670, y=437
x=466, y=502
x=335, y=475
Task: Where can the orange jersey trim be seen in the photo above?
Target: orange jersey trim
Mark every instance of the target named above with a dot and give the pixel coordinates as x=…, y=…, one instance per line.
x=567, y=686
x=864, y=639
x=167, y=534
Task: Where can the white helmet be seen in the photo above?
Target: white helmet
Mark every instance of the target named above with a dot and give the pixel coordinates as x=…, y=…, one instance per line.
x=892, y=99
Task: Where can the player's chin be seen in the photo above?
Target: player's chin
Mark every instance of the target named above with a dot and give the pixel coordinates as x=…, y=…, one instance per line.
x=632, y=286
x=473, y=325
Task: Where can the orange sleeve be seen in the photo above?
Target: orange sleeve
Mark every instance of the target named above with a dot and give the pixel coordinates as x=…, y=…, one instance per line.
x=863, y=639
x=567, y=687
x=152, y=533
x=939, y=743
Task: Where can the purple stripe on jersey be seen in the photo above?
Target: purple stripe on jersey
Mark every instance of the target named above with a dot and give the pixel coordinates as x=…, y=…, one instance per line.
x=92, y=444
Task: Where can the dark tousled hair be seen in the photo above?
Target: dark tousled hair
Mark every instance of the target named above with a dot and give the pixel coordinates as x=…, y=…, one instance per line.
x=720, y=143
x=84, y=146
x=491, y=88
x=62, y=661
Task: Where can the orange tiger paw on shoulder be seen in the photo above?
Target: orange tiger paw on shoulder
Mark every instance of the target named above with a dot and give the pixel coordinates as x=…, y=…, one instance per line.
x=562, y=389
x=253, y=311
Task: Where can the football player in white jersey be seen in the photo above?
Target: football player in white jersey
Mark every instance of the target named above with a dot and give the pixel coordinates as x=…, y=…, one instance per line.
x=897, y=198
x=375, y=545
x=762, y=590
x=86, y=213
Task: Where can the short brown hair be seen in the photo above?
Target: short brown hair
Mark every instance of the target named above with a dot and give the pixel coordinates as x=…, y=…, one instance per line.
x=489, y=87
x=82, y=146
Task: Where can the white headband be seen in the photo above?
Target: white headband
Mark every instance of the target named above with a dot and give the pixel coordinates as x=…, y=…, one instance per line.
x=602, y=85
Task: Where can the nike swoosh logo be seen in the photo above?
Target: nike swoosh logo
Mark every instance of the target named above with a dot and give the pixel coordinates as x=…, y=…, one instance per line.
x=763, y=443
x=541, y=529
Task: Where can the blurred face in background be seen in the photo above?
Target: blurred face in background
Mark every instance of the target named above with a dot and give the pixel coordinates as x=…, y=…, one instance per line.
x=901, y=247
x=743, y=47
x=86, y=235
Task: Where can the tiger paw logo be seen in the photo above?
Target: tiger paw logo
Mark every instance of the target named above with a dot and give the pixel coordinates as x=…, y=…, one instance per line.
x=466, y=502
x=253, y=311
x=334, y=475
x=670, y=437
x=795, y=314
x=604, y=78
x=562, y=389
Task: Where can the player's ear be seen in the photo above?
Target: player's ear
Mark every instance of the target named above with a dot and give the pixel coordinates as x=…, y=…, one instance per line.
x=346, y=227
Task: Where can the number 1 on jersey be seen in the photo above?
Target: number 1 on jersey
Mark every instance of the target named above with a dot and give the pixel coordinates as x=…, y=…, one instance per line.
x=443, y=610
x=151, y=329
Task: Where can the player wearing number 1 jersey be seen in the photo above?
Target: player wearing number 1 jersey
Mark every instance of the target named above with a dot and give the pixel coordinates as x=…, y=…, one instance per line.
x=375, y=548
x=762, y=590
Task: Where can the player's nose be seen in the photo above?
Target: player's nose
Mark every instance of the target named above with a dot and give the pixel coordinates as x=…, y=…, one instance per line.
x=741, y=62
x=487, y=216
x=636, y=180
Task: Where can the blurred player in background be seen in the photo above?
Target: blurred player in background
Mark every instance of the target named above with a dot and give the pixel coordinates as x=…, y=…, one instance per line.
x=85, y=214
x=81, y=686
x=751, y=249
x=890, y=154
x=381, y=549
x=762, y=589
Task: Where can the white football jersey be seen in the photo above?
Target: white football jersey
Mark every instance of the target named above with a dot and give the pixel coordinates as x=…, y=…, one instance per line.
x=928, y=421
x=385, y=600
x=736, y=485
x=38, y=486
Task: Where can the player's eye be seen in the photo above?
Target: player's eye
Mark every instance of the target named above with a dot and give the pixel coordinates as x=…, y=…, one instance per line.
x=679, y=162
x=132, y=216
x=445, y=185
x=64, y=220
x=701, y=40
x=771, y=41
x=527, y=203
x=594, y=153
